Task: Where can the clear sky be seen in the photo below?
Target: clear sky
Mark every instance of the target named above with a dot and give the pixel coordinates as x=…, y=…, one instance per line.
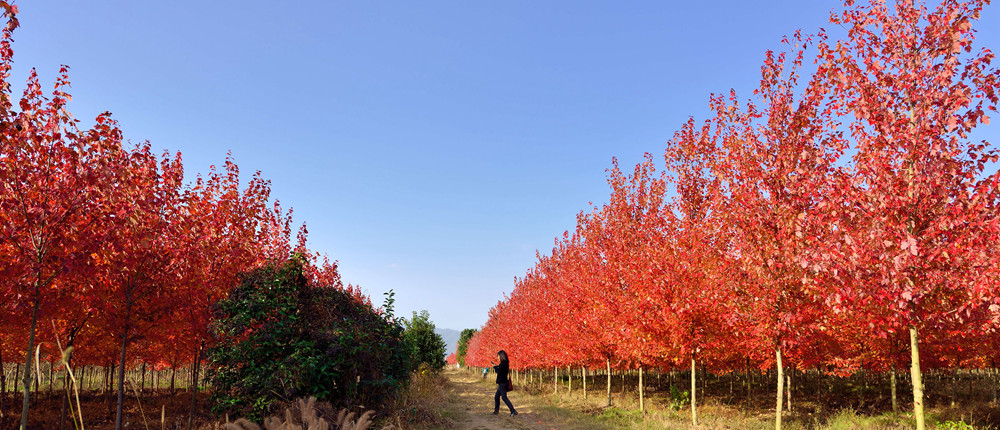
x=431, y=147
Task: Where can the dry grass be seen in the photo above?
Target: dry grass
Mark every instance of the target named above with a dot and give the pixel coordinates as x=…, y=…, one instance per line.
x=425, y=403
x=591, y=414
x=304, y=415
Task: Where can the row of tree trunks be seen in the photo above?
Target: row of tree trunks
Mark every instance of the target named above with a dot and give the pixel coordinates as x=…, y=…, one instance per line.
x=49, y=377
x=784, y=383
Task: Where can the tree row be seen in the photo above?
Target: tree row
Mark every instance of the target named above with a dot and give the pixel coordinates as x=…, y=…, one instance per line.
x=109, y=257
x=841, y=219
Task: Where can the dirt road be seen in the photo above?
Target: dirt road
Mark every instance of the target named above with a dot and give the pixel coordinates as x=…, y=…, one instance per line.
x=474, y=406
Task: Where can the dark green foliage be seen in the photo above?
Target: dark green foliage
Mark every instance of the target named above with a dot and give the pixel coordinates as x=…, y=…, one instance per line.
x=424, y=344
x=463, y=345
x=280, y=339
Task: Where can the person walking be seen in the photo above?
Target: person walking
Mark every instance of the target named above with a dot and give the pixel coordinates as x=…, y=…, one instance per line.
x=503, y=383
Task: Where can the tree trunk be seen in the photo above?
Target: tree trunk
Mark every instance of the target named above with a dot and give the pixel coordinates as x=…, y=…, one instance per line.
x=65, y=403
x=121, y=372
x=704, y=377
x=788, y=391
x=892, y=385
x=694, y=390
x=781, y=376
x=918, y=384
x=173, y=373
x=569, y=385
x=994, y=372
x=194, y=393
x=642, y=404
x=3, y=383
x=609, y=381
x=555, y=379
x=748, y=381
x=66, y=390
x=142, y=385
x=584, y=382
x=38, y=372
x=732, y=375
x=954, y=386
x=27, y=366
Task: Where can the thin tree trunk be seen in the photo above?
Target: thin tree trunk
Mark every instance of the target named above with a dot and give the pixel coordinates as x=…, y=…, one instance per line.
x=918, y=385
x=704, y=377
x=993, y=373
x=642, y=404
x=38, y=372
x=694, y=390
x=788, y=390
x=970, y=384
x=748, y=381
x=781, y=375
x=569, y=374
x=173, y=373
x=954, y=386
x=121, y=372
x=26, y=403
x=66, y=388
x=194, y=393
x=555, y=379
x=584, y=382
x=65, y=403
x=609, y=381
x=892, y=385
x=3, y=383
x=142, y=385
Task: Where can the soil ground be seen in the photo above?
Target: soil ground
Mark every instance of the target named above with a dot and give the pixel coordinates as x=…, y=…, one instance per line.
x=99, y=411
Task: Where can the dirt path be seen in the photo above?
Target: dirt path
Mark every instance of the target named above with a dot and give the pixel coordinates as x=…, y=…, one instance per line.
x=474, y=406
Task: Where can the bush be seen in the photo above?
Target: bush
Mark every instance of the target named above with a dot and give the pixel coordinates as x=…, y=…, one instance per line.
x=426, y=346
x=679, y=399
x=280, y=338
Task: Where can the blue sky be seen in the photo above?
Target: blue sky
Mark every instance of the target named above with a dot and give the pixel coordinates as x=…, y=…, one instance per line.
x=431, y=147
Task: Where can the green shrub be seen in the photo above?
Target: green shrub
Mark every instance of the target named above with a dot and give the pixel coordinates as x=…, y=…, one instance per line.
x=425, y=345
x=679, y=399
x=279, y=338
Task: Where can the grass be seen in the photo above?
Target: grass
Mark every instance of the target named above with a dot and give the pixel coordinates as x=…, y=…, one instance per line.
x=722, y=412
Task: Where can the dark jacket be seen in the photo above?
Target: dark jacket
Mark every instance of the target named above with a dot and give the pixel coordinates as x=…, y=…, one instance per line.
x=502, y=370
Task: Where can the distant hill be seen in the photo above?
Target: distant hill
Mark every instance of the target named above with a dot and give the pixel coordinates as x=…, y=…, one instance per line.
x=450, y=339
